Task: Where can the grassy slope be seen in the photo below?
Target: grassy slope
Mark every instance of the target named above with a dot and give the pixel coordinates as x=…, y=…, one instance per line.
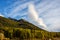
x=5, y=22
x=8, y=23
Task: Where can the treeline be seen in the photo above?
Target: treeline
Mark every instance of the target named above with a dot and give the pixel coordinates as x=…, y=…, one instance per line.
x=28, y=33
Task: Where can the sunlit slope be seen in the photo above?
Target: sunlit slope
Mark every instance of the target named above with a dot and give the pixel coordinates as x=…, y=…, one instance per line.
x=6, y=22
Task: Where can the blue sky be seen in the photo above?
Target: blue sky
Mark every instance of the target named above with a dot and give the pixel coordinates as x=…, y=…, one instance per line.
x=48, y=10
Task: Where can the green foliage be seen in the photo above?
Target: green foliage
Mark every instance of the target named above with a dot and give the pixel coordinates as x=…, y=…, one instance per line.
x=39, y=35
x=16, y=33
x=27, y=33
x=6, y=22
x=24, y=30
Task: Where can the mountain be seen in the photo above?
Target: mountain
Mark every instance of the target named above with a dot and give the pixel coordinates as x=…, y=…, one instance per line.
x=23, y=29
x=10, y=22
x=5, y=22
x=27, y=24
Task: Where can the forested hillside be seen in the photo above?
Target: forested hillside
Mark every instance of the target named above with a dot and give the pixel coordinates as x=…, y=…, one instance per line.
x=24, y=30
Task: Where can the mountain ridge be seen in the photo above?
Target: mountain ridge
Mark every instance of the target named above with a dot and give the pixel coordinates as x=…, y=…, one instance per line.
x=17, y=23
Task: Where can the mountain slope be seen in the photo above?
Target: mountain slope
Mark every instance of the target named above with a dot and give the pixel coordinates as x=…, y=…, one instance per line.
x=27, y=24
x=6, y=22
x=22, y=29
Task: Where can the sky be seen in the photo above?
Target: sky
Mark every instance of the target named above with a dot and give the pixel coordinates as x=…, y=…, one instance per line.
x=45, y=12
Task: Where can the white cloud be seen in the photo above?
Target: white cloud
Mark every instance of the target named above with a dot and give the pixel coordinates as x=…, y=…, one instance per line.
x=18, y=6
x=16, y=10
x=33, y=15
x=50, y=12
x=1, y=15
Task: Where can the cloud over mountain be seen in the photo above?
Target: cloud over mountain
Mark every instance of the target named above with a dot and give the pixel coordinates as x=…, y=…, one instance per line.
x=48, y=10
x=33, y=15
